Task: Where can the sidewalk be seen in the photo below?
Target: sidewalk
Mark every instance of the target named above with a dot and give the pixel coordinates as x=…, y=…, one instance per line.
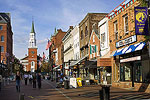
x=49, y=92
x=91, y=92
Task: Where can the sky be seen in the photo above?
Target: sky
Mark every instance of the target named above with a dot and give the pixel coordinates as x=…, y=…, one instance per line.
x=48, y=15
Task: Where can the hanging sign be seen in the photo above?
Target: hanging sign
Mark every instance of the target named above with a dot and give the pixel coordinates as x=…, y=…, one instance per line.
x=141, y=20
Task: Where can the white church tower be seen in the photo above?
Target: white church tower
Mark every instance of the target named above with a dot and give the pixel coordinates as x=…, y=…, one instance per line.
x=32, y=51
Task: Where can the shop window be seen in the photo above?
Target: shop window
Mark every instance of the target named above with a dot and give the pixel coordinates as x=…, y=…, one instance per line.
x=116, y=30
x=126, y=29
x=125, y=72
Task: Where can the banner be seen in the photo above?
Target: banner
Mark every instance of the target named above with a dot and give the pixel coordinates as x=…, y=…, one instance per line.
x=141, y=20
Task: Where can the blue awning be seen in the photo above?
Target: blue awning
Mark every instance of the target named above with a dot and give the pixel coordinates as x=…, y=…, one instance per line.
x=131, y=48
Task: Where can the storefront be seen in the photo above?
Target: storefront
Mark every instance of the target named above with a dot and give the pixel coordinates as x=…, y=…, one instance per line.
x=134, y=65
x=104, y=70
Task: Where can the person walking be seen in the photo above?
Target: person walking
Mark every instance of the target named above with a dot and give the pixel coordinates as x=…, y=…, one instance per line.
x=39, y=80
x=1, y=80
x=30, y=78
x=34, y=80
x=26, y=78
x=18, y=78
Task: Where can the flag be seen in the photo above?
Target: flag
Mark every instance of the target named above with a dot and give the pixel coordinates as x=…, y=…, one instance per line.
x=48, y=44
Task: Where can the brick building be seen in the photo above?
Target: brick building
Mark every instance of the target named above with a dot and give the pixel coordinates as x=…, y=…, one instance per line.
x=56, y=55
x=6, y=38
x=130, y=63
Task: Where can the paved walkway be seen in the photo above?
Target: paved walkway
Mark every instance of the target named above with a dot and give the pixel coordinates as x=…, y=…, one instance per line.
x=49, y=92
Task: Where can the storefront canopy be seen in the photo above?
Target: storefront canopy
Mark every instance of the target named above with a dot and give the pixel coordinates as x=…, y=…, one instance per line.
x=131, y=48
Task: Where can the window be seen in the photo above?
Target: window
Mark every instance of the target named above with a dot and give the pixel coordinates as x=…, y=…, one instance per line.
x=82, y=53
x=2, y=38
x=2, y=49
x=1, y=27
x=81, y=34
x=126, y=30
x=103, y=38
x=116, y=30
x=93, y=38
x=87, y=50
x=92, y=49
x=86, y=31
x=32, y=63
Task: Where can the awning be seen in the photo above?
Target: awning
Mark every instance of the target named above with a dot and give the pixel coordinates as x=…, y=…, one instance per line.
x=75, y=63
x=131, y=48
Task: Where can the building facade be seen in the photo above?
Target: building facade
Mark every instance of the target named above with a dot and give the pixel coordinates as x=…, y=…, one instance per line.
x=104, y=61
x=6, y=38
x=68, y=50
x=56, y=54
x=130, y=60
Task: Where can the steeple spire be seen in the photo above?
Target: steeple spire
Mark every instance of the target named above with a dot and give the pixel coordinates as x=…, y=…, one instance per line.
x=32, y=29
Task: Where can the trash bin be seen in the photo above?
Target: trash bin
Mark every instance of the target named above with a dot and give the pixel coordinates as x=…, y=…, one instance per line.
x=66, y=84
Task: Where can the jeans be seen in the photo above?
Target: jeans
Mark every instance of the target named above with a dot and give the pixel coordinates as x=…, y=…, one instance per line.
x=18, y=85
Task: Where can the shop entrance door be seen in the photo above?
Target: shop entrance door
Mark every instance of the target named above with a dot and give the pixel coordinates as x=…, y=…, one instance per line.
x=99, y=75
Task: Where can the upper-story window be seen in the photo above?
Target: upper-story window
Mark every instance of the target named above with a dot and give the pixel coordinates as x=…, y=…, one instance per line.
x=93, y=38
x=86, y=31
x=81, y=34
x=116, y=30
x=126, y=29
x=2, y=38
x=2, y=48
x=102, y=39
x=1, y=27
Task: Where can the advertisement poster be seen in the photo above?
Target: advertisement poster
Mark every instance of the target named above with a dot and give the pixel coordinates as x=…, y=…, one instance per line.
x=141, y=20
x=73, y=82
x=79, y=81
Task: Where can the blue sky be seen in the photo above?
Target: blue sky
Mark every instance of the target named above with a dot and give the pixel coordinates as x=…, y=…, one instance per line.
x=47, y=15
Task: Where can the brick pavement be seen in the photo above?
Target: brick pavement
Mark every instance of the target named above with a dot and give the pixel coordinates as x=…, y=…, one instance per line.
x=49, y=92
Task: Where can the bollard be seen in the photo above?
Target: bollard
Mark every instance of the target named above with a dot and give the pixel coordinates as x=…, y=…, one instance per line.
x=21, y=96
x=105, y=92
x=101, y=94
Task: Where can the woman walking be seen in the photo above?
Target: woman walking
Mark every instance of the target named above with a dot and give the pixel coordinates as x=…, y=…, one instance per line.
x=18, y=78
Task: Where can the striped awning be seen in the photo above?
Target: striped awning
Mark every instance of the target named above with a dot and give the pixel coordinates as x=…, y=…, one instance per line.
x=131, y=48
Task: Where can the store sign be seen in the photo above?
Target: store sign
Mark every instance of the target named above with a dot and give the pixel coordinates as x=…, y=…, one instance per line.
x=66, y=66
x=126, y=41
x=141, y=20
x=130, y=59
x=104, y=62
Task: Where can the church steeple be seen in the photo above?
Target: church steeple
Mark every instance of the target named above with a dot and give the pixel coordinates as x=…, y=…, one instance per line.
x=32, y=29
x=32, y=38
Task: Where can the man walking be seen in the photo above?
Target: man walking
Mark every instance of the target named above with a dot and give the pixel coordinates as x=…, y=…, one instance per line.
x=1, y=79
x=39, y=80
x=26, y=78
